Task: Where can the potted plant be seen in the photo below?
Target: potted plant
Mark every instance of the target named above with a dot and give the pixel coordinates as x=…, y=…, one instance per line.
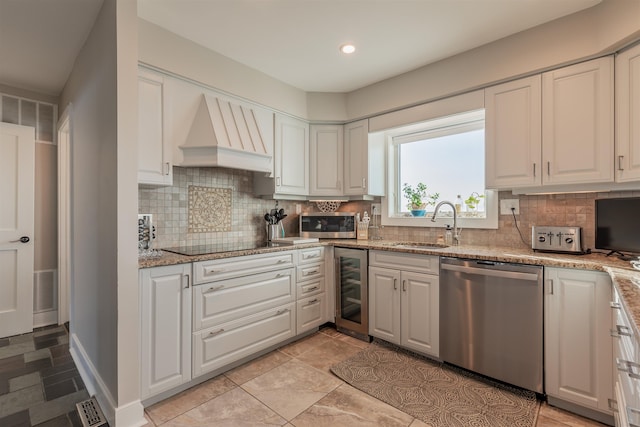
x=418, y=198
x=473, y=201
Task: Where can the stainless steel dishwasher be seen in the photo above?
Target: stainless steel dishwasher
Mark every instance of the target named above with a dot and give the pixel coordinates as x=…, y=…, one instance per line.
x=491, y=319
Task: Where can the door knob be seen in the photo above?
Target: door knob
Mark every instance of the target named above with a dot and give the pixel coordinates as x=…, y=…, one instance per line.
x=23, y=239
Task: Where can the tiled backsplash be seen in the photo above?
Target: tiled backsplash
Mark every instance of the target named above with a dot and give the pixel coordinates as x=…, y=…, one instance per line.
x=243, y=216
x=575, y=209
x=245, y=213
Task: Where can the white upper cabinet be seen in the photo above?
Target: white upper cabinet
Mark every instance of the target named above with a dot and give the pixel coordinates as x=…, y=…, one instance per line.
x=326, y=169
x=554, y=129
x=154, y=152
x=628, y=115
x=513, y=133
x=291, y=161
x=364, y=165
x=577, y=123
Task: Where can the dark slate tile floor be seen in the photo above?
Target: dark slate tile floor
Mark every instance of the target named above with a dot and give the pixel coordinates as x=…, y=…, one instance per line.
x=39, y=383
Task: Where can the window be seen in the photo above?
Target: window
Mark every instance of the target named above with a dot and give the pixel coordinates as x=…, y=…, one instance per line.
x=447, y=155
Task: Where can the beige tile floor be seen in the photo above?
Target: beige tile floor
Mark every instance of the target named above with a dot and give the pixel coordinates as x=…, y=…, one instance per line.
x=292, y=386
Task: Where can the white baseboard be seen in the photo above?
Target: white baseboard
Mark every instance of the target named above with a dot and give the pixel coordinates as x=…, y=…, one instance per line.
x=129, y=415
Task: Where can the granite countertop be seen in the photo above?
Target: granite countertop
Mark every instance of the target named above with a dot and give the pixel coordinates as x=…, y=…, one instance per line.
x=624, y=277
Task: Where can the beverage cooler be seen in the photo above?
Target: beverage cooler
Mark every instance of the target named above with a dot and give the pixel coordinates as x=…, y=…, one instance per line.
x=352, y=293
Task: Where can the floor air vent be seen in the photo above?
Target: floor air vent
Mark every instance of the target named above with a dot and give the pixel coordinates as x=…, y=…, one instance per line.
x=90, y=413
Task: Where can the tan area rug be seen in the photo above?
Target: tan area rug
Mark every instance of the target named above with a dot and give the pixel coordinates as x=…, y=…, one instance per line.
x=438, y=394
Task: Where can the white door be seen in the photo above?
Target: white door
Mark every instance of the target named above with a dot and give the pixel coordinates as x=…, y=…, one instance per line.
x=384, y=304
x=17, y=168
x=419, y=325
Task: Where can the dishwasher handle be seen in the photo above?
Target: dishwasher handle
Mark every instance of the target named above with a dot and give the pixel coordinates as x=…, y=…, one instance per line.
x=516, y=275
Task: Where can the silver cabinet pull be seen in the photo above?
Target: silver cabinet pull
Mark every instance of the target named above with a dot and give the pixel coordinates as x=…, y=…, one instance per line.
x=278, y=181
x=550, y=286
x=404, y=286
x=615, y=305
x=628, y=367
x=167, y=168
x=213, y=289
x=311, y=255
x=534, y=170
x=309, y=272
x=212, y=270
x=620, y=168
x=364, y=183
x=549, y=168
x=214, y=333
x=281, y=261
x=395, y=283
x=279, y=312
x=621, y=331
x=313, y=301
x=188, y=280
x=315, y=288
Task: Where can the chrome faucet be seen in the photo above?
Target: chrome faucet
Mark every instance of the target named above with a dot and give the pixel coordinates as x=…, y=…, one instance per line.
x=456, y=235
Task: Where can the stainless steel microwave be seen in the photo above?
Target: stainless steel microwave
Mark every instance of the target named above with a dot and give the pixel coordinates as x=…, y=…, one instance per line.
x=328, y=225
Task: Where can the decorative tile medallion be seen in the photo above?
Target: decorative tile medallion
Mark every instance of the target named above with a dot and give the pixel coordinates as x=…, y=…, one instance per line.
x=209, y=209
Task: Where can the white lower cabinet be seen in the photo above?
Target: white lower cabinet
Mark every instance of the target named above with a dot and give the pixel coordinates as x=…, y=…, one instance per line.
x=223, y=344
x=243, y=308
x=165, y=328
x=578, y=347
x=626, y=366
x=311, y=289
x=404, y=304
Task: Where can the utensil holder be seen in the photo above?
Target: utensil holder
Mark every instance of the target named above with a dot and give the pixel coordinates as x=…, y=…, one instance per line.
x=275, y=231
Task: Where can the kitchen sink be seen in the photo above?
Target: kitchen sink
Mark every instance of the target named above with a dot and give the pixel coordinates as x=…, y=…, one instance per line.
x=418, y=245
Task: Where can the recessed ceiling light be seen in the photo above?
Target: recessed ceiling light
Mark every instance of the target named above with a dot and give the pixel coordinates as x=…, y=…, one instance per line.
x=347, y=48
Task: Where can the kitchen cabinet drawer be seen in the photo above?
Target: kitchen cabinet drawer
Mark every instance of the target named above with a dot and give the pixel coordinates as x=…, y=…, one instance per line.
x=308, y=272
x=220, y=302
x=219, y=269
x=311, y=255
x=310, y=312
x=311, y=287
x=408, y=262
x=221, y=345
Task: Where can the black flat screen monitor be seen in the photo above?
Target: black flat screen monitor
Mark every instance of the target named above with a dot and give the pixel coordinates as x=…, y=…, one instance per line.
x=618, y=224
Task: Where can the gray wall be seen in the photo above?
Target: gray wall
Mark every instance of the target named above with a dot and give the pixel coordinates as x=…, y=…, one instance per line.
x=104, y=301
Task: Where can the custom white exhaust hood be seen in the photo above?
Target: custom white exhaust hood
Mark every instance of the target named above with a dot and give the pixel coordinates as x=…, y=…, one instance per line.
x=224, y=134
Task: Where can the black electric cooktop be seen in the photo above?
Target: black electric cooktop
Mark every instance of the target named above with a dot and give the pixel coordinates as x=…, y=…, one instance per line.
x=215, y=248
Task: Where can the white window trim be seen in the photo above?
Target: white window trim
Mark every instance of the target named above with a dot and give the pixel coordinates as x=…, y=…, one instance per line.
x=389, y=201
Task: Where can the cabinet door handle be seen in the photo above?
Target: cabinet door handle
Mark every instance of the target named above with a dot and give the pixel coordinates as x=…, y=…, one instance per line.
x=214, y=333
x=549, y=168
x=404, y=286
x=364, y=182
x=310, y=272
x=628, y=366
x=395, y=283
x=621, y=331
x=212, y=270
x=277, y=181
x=186, y=276
x=315, y=288
x=312, y=255
x=615, y=305
x=281, y=261
x=550, y=286
x=313, y=301
x=214, y=288
x=279, y=312
x=620, y=168
x=534, y=169
x=167, y=168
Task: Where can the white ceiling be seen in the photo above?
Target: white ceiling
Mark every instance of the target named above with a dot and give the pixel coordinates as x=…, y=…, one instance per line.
x=40, y=40
x=296, y=41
